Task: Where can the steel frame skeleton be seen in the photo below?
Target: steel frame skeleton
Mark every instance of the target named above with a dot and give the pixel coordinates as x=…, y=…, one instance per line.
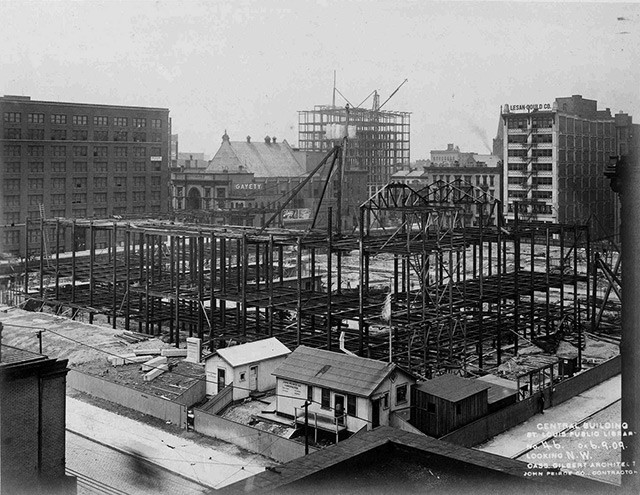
x=466, y=288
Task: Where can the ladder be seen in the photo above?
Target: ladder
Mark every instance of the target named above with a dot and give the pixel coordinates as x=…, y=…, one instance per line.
x=46, y=254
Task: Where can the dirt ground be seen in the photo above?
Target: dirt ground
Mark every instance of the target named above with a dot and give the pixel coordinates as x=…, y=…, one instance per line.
x=87, y=347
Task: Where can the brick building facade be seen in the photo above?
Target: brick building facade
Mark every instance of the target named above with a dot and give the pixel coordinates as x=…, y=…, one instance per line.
x=78, y=160
x=32, y=424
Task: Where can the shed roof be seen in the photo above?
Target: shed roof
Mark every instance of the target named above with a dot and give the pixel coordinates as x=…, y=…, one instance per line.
x=500, y=387
x=261, y=158
x=453, y=388
x=260, y=350
x=351, y=374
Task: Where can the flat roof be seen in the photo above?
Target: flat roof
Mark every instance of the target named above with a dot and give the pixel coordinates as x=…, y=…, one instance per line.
x=28, y=100
x=14, y=355
x=453, y=388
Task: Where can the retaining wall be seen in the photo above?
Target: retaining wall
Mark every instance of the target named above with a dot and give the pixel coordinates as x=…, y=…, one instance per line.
x=258, y=441
x=137, y=400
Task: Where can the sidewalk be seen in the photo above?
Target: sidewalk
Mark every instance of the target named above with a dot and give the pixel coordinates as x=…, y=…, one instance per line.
x=555, y=419
x=214, y=466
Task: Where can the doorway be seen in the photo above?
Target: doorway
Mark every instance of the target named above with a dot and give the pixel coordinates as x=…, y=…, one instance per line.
x=194, y=200
x=339, y=409
x=253, y=378
x=375, y=413
x=221, y=379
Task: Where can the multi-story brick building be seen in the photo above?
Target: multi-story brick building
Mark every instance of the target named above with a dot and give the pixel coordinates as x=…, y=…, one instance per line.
x=554, y=158
x=78, y=160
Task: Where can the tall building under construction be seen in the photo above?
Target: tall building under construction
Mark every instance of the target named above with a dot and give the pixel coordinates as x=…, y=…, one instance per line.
x=380, y=144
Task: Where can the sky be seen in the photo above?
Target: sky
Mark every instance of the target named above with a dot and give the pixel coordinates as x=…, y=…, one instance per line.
x=249, y=66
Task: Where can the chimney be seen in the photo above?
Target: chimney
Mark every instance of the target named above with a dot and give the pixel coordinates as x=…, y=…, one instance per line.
x=267, y=140
x=273, y=140
x=248, y=139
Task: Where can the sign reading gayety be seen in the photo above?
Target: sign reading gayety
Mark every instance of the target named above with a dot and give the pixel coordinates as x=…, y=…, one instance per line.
x=530, y=107
x=248, y=186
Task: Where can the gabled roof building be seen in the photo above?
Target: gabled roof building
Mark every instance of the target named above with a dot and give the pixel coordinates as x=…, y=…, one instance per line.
x=247, y=366
x=346, y=392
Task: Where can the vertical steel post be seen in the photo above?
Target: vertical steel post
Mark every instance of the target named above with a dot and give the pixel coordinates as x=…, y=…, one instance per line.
x=630, y=344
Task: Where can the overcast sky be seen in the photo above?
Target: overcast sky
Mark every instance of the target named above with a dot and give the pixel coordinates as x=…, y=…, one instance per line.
x=250, y=66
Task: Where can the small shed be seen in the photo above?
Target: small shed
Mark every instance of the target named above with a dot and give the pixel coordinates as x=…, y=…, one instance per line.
x=248, y=366
x=447, y=402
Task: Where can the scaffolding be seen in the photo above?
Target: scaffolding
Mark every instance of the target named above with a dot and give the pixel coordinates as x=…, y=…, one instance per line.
x=466, y=289
x=380, y=146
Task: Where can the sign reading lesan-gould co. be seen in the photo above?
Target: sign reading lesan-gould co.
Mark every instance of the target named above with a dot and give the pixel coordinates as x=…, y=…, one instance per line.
x=529, y=107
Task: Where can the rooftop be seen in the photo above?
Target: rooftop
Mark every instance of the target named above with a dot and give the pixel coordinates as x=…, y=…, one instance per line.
x=389, y=460
x=351, y=374
x=251, y=352
x=263, y=159
x=453, y=388
x=14, y=355
x=28, y=100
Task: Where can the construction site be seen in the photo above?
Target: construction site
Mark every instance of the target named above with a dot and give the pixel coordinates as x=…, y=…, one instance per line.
x=433, y=279
x=383, y=136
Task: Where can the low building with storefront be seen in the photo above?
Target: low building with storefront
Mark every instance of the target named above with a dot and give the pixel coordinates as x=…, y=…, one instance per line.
x=346, y=393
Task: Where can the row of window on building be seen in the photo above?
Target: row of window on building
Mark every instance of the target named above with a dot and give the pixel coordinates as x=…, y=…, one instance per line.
x=60, y=183
x=55, y=167
x=97, y=151
x=98, y=120
x=80, y=135
x=481, y=180
x=538, y=122
x=535, y=181
x=566, y=125
x=535, y=167
x=525, y=207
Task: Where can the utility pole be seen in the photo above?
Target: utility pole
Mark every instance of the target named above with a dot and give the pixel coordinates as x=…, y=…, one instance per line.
x=629, y=180
x=343, y=162
x=306, y=426
x=39, y=335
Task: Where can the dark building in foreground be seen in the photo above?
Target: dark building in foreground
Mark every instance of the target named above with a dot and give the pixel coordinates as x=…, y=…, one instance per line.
x=388, y=460
x=78, y=160
x=32, y=424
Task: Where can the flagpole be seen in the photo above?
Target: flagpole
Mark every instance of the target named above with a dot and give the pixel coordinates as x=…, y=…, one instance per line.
x=390, y=337
x=390, y=332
